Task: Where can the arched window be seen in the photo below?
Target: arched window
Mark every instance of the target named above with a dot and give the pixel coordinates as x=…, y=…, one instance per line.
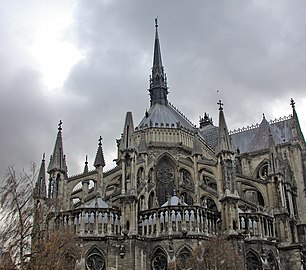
x=254, y=196
x=95, y=260
x=159, y=260
x=185, y=260
x=252, y=261
x=211, y=205
x=272, y=262
x=140, y=176
x=187, y=198
x=151, y=201
x=165, y=176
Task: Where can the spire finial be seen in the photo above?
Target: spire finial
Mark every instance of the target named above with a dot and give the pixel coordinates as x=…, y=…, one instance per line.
x=100, y=140
x=220, y=105
x=44, y=156
x=263, y=116
x=86, y=159
x=60, y=125
x=292, y=103
x=156, y=22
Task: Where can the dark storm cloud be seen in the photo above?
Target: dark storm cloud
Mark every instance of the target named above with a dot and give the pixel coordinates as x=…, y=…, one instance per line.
x=247, y=53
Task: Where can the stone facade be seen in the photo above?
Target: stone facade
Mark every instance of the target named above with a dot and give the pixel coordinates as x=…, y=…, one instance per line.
x=176, y=184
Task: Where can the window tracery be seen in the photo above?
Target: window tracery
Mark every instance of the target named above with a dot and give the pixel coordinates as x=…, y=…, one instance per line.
x=159, y=261
x=95, y=261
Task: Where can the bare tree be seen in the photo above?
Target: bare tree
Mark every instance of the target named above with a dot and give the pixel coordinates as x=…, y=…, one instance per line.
x=59, y=252
x=218, y=253
x=16, y=213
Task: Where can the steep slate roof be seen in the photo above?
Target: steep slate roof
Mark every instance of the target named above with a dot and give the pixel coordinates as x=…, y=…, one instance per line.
x=210, y=134
x=257, y=138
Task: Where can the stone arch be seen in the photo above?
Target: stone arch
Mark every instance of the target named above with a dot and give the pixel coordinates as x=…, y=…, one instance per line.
x=253, y=194
x=165, y=177
x=207, y=179
x=253, y=261
x=159, y=259
x=95, y=259
x=209, y=202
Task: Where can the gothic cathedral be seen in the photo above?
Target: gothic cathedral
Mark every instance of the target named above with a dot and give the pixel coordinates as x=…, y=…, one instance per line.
x=176, y=185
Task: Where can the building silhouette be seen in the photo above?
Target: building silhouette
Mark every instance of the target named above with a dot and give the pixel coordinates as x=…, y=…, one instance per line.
x=176, y=184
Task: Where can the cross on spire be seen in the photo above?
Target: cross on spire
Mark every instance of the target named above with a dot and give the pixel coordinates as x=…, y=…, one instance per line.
x=220, y=105
x=292, y=103
x=60, y=125
x=100, y=140
x=156, y=23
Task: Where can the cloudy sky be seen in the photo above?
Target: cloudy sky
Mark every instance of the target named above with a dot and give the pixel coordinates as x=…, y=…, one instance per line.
x=88, y=63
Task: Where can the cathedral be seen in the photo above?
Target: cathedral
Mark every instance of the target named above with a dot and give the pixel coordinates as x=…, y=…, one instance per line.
x=176, y=185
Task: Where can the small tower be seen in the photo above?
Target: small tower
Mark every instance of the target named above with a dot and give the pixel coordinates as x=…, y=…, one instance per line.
x=226, y=164
x=57, y=170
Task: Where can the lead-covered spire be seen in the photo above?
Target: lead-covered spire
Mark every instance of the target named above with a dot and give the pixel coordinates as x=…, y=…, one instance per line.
x=158, y=81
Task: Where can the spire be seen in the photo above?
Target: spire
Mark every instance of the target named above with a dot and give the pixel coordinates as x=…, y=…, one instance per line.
x=86, y=165
x=40, y=186
x=158, y=81
x=157, y=59
x=99, y=161
x=57, y=160
x=127, y=141
x=224, y=140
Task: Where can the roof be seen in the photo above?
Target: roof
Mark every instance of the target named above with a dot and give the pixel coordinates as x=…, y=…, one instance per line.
x=210, y=135
x=256, y=137
x=96, y=202
x=164, y=115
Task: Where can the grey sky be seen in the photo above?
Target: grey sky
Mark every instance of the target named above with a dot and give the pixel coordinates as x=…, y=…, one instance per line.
x=249, y=54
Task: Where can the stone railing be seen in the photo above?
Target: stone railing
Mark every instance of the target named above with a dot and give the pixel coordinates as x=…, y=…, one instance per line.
x=257, y=225
x=178, y=220
x=97, y=222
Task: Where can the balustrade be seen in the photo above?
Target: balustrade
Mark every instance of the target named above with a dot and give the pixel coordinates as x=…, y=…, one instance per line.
x=99, y=222
x=257, y=225
x=177, y=220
